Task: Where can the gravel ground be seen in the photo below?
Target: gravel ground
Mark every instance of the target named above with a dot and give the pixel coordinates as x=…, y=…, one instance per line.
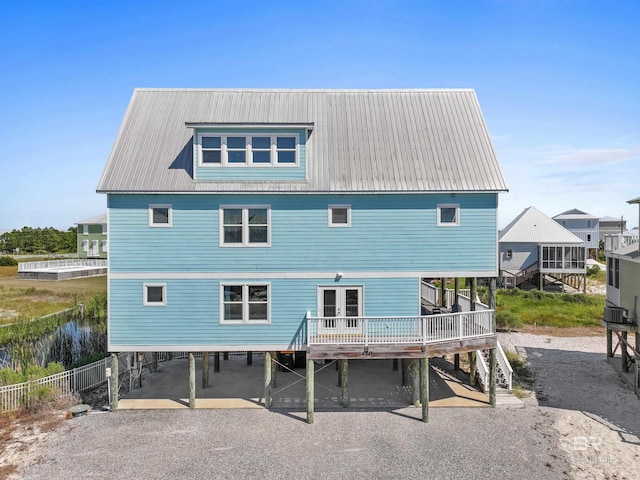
x=578, y=396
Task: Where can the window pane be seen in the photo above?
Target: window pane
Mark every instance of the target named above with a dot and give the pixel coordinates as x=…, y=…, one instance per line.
x=286, y=142
x=339, y=216
x=211, y=156
x=257, y=311
x=258, y=234
x=286, y=157
x=258, y=216
x=261, y=142
x=233, y=293
x=236, y=142
x=233, y=311
x=236, y=156
x=233, y=216
x=155, y=294
x=211, y=142
x=261, y=157
x=232, y=234
x=448, y=215
x=257, y=293
x=160, y=215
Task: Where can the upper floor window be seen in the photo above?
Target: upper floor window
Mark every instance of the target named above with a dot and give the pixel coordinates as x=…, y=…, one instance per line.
x=588, y=223
x=160, y=216
x=104, y=229
x=448, y=215
x=85, y=229
x=247, y=226
x=252, y=150
x=154, y=294
x=339, y=215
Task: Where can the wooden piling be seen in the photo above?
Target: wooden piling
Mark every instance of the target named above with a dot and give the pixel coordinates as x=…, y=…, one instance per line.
x=216, y=362
x=192, y=380
x=344, y=377
x=405, y=371
x=267, y=379
x=225, y=355
x=274, y=369
x=249, y=359
x=456, y=361
x=424, y=388
x=205, y=369
x=114, y=382
x=492, y=376
x=415, y=373
x=395, y=365
x=472, y=368
x=624, y=353
x=610, y=343
x=310, y=390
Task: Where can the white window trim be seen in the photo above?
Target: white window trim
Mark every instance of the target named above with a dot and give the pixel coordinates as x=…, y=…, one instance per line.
x=105, y=246
x=85, y=246
x=245, y=226
x=85, y=229
x=448, y=224
x=224, y=160
x=330, y=216
x=146, y=302
x=160, y=225
x=245, y=303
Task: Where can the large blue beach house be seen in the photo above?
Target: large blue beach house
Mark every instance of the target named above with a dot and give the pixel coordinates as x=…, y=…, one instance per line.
x=299, y=220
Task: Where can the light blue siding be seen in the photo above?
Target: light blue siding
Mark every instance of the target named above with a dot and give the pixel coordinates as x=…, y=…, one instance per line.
x=389, y=233
x=191, y=314
x=262, y=172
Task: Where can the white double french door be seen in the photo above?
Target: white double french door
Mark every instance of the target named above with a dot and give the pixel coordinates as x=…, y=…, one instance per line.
x=340, y=308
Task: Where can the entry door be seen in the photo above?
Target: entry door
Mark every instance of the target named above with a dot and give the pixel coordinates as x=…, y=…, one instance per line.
x=342, y=303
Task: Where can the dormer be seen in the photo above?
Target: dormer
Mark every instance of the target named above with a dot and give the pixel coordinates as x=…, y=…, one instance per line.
x=250, y=151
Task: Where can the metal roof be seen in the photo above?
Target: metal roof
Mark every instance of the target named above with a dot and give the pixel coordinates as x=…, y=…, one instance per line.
x=611, y=220
x=362, y=140
x=533, y=226
x=634, y=200
x=94, y=220
x=575, y=214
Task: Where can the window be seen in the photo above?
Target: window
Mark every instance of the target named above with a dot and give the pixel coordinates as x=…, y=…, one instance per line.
x=588, y=237
x=563, y=257
x=160, y=216
x=104, y=229
x=85, y=246
x=244, y=303
x=245, y=226
x=255, y=150
x=154, y=294
x=85, y=229
x=105, y=246
x=588, y=223
x=509, y=254
x=613, y=272
x=339, y=215
x=448, y=215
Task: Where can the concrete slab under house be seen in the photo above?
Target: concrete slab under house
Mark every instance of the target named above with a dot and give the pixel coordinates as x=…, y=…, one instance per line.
x=315, y=222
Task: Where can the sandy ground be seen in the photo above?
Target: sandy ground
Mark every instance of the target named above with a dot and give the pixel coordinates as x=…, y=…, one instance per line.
x=596, y=415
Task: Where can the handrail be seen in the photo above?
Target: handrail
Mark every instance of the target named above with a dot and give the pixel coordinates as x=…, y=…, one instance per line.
x=505, y=366
x=482, y=370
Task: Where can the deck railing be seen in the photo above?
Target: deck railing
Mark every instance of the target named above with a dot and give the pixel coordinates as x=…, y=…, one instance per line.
x=431, y=294
x=399, y=330
x=28, y=266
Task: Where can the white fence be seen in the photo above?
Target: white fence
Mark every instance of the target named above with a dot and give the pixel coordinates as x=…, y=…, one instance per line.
x=14, y=397
x=431, y=294
x=56, y=264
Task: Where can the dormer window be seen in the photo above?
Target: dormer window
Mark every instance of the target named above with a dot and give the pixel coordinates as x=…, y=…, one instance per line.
x=215, y=150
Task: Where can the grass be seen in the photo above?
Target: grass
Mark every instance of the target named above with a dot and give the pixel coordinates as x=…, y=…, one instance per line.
x=516, y=308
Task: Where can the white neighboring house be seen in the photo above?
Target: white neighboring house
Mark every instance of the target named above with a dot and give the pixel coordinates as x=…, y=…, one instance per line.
x=583, y=225
x=533, y=246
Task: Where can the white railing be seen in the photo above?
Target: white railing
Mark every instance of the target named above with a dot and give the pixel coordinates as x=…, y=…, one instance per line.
x=618, y=241
x=431, y=294
x=29, y=266
x=399, y=330
x=14, y=397
x=502, y=366
x=505, y=366
x=482, y=370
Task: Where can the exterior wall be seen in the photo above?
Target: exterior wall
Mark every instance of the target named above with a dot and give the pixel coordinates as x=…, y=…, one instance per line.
x=630, y=287
x=94, y=233
x=589, y=235
x=392, y=242
x=245, y=172
x=523, y=255
x=191, y=320
x=610, y=228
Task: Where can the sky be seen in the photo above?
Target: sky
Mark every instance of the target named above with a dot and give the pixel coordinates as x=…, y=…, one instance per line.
x=557, y=81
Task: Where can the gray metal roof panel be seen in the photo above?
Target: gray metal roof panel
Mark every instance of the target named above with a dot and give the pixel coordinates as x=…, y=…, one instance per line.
x=93, y=220
x=575, y=214
x=533, y=226
x=363, y=140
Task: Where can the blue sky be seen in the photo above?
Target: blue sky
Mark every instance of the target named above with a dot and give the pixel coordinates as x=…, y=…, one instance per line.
x=557, y=81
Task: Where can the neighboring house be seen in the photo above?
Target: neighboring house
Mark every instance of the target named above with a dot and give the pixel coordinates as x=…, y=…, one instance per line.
x=622, y=308
x=533, y=246
x=271, y=220
x=611, y=226
x=584, y=226
x=92, y=237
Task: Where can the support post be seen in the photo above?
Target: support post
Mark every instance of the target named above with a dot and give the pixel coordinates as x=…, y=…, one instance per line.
x=405, y=371
x=114, y=382
x=267, y=380
x=424, y=388
x=456, y=291
x=344, y=376
x=562, y=281
x=225, y=355
x=216, y=362
x=154, y=362
x=339, y=370
x=249, y=358
x=192, y=380
x=310, y=388
x=492, y=376
x=205, y=369
x=456, y=362
x=541, y=279
x=492, y=293
x=415, y=374
x=443, y=291
x=624, y=354
x=395, y=365
x=610, y=343
x=472, y=369
x=473, y=293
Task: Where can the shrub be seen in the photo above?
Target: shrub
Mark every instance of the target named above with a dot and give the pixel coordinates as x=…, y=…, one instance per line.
x=593, y=271
x=8, y=261
x=508, y=320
